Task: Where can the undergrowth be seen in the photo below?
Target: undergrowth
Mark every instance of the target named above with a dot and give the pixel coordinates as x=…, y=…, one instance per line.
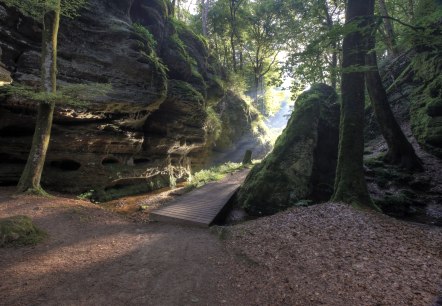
x=19, y=231
x=217, y=173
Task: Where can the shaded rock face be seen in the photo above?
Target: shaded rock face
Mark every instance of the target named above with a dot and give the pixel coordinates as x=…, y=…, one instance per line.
x=242, y=130
x=410, y=196
x=151, y=121
x=303, y=162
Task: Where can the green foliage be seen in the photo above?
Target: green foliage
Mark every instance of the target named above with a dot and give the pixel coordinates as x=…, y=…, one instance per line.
x=395, y=205
x=427, y=66
x=185, y=91
x=217, y=173
x=86, y=195
x=148, y=46
x=213, y=123
x=145, y=33
x=38, y=8
x=19, y=231
x=116, y=192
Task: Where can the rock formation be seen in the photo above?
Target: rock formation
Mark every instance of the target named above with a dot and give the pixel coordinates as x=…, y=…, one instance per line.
x=303, y=163
x=151, y=120
x=239, y=133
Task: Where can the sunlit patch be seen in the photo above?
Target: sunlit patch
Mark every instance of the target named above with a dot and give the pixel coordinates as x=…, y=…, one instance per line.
x=4, y=83
x=5, y=77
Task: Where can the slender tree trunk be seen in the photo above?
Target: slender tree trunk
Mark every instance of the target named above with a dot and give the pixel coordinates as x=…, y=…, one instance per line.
x=205, y=13
x=31, y=176
x=389, y=31
x=334, y=63
x=256, y=95
x=350, y=184
x=333, y=68
x=173, y=8
x=400, y=151
x=411, y=8
x=233, y=47
x=233, y=32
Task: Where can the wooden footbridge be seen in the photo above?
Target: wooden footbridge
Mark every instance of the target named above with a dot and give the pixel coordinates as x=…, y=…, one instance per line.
x=202, y=206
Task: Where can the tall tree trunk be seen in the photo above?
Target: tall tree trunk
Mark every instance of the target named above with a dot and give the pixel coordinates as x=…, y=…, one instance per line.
x=400, y=151
x=233, y=32
x=31, y=176
x=390, y=35
x=205, y=14
x=350, y=184
x=411, y=8
x=233, y=47
x=256, y=94
x=173, y=8
x=334, y=63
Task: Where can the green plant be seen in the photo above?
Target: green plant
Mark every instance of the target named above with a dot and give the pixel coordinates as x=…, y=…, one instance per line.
x=19, y=231
x=86, y=195
x=145, y=33
x=217, y=173
x=74, y=95
x=213, y=123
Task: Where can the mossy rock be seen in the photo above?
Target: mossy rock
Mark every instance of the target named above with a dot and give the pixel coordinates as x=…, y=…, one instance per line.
x=426, y=106
x=397, y=205
x=19, y=231
x=132, y=186
x=302, y=165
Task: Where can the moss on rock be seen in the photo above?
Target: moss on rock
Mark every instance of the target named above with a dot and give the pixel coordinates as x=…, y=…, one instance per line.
x=19, y=231
x=128, y=187
x=303, y=162
x=426, y=106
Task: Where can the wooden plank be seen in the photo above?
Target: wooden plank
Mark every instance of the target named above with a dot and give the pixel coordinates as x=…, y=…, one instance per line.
x=201, y=206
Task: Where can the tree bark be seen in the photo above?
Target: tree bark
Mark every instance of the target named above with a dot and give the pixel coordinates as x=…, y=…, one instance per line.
x=233, y=31
x=350, y=184
x=400, y=151
x=205, y=14
x=31, y=176
x=411, y=8
x=334, y=62
x=389, y=31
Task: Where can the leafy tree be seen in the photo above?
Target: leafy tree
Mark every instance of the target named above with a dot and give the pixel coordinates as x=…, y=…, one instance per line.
x=264, y=41
x=48, y=12
x=315, y=43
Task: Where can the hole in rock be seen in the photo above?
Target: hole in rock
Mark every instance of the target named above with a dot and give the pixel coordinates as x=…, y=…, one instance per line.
x=66, y=165
x=9, y=159
x=16, y=131
x=9, y=183
x=110, y=161
x=141, y=161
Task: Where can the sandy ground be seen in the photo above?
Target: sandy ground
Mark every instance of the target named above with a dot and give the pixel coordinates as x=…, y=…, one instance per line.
x=322, y=255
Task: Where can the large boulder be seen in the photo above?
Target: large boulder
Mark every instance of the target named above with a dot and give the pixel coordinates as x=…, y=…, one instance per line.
x=303, y=163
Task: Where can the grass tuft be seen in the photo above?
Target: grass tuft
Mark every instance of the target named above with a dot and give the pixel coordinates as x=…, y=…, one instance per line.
x=19, y=231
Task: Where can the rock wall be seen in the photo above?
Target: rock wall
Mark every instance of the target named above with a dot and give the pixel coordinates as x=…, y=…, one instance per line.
x=302, y=165
x=239, y=133
x=152, y=118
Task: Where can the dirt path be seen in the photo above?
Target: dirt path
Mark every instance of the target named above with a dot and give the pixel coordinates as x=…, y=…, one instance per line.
x=94, y=257
x=323, y=255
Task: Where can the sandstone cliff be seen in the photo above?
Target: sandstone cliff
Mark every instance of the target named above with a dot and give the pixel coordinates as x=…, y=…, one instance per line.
x=152, y=120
